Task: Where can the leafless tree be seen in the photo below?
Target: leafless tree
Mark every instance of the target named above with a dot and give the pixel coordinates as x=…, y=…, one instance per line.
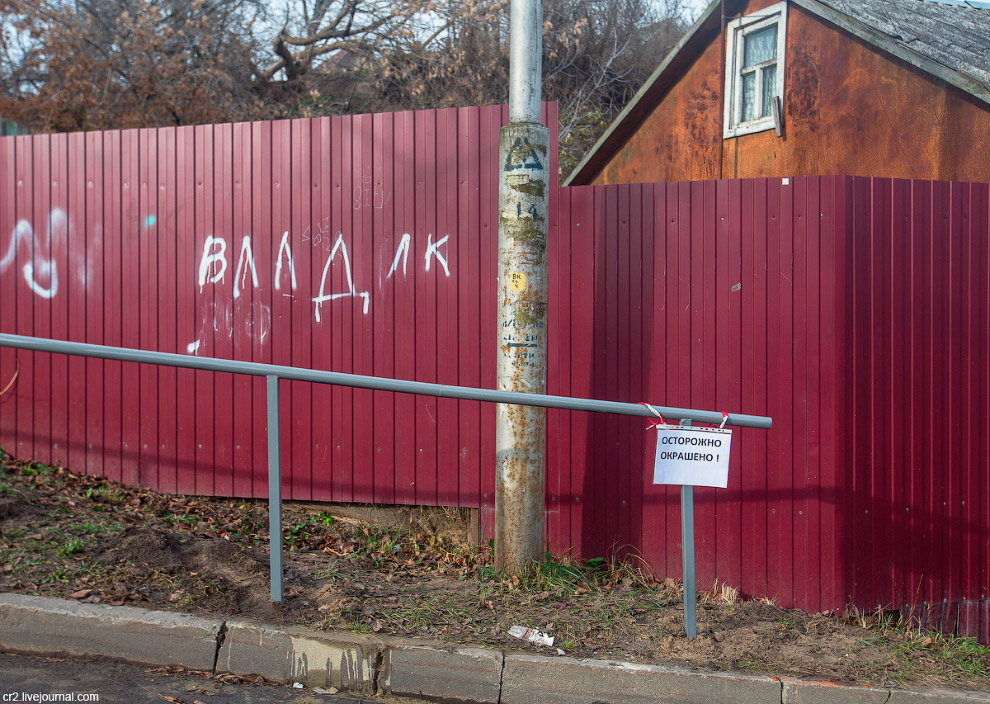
x=596, y=54
x=89, y=64
x=358, y=26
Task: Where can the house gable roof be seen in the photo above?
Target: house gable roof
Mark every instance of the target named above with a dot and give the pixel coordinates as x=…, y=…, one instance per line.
x=949, y=39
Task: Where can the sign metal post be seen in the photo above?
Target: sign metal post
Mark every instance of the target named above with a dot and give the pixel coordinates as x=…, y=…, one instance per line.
x=274, y=491
x=687, y=556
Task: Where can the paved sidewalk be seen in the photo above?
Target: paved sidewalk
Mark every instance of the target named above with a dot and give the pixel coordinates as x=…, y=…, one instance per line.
x=367, y=665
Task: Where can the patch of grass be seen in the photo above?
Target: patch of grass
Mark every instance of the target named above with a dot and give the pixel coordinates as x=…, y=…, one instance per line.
x=879, y=620
x=187, y=519
x=6, y=489
x=59, y=574
x=295, y=534
x=378, y=544
x=73, y=546
x=330, y=572
x=188, y=597
x=955, y=656
x=552, y=574
x=563, y=576
x=91, y=527
x=106, y=494
x=556, y=574
x=36, y=469
x=28, y=563
x=427, y=611
x=488, y=573
x=721, y=594
x=755, y=662
x=951, y=657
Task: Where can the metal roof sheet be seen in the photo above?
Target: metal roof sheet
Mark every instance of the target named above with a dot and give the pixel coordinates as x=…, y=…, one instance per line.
x=956, y=35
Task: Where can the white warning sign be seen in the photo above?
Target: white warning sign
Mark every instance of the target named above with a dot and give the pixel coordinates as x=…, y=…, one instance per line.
x=692, y=456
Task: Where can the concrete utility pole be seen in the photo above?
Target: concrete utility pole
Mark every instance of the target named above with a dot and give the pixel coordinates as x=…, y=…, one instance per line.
x=520, y=437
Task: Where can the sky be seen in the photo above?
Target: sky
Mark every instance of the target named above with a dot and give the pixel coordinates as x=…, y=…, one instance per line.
x=695, y=7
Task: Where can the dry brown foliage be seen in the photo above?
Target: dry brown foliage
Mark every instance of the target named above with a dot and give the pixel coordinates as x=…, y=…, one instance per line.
x=101, y=64
x=70, y=65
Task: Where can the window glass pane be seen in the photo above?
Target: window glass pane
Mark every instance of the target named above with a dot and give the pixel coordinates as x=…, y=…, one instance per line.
x=748, y=97
x=769, y=89
x=760, y=46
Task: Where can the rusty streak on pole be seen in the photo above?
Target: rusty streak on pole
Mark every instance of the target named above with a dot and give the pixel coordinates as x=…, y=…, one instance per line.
x=520, y=439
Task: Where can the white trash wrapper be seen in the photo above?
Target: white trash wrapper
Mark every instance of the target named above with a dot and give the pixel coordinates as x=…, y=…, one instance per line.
x=531, y=635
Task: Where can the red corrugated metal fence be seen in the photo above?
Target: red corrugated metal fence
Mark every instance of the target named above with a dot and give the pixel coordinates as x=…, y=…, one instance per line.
x=855, y=312
x=360, y=244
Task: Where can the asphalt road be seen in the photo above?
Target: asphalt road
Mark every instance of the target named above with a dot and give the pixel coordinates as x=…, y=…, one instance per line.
x=115, y=682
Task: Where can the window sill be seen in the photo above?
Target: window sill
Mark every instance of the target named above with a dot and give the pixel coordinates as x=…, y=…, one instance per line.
x=761, y=125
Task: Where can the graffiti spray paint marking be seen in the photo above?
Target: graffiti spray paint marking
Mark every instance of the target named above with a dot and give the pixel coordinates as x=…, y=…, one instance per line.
x=210, y=257
x=338, y=246
x=40, y=265
x=284, y=247
x=247, y=254
x=253, y=320
x=401, y=251
x=432, y=250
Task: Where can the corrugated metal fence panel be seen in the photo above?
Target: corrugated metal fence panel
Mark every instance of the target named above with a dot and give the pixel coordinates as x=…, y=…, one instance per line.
x=360, y=244
x=671, y=302
x=917, y=478
x=855, y=312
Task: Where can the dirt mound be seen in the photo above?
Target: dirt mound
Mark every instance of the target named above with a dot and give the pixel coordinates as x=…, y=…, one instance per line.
x=146, y=547
x=16, y=507
x=236, y=564
x=232, y=578
x=241, y=574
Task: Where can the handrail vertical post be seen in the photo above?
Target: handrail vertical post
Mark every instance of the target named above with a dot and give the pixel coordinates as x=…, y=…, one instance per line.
x=687, y=556
x=274, y=491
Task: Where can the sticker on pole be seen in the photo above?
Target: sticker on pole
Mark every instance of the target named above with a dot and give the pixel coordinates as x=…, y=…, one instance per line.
x=692, y=456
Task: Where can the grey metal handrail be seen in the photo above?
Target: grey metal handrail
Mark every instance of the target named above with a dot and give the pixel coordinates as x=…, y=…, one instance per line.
x=422, y=388
x=274, y=372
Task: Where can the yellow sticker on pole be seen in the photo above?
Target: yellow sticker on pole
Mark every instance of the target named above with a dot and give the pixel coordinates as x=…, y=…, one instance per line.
x=517, y=281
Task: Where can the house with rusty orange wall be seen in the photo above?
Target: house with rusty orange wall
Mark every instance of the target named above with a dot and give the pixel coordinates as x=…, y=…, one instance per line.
x=757, y=88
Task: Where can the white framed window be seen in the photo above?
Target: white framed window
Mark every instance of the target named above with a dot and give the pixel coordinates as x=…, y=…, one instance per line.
x=754, y=71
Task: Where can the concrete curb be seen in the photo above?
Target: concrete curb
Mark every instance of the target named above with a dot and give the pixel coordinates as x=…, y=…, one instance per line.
x=799, y=692
x=392, y=666
x=455, y=674
x=316, y=659
x=564, y=680
x=42, y=625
